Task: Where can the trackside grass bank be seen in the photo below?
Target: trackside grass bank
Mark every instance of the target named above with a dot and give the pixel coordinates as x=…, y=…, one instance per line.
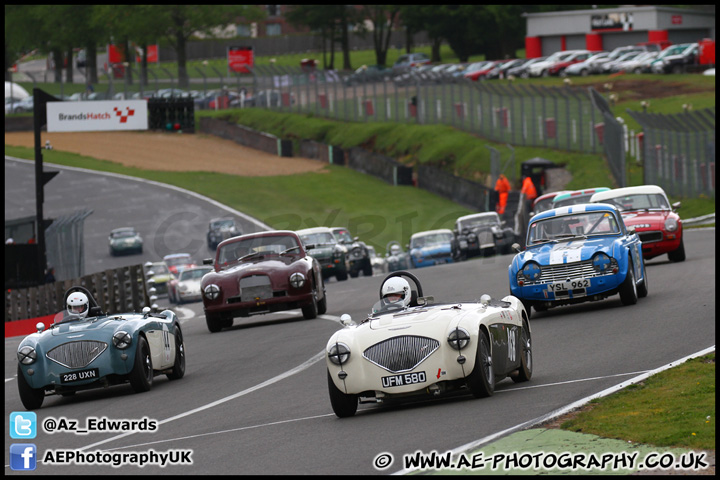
x=674, y=408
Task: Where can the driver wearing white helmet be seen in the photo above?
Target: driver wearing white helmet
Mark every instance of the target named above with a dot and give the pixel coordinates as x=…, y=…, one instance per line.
x=78, y=304
x=395, y=292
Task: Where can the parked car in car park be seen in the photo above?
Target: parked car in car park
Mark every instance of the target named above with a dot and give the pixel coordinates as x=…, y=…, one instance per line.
x=558, y=68
x=479, y=73
x=639, y=64
x=611, y=65
x=588, y=66
x=408, y=60
x=500, y=71
x=678, y=62
x=521, y=71
x=368, y=74
x=542, y=69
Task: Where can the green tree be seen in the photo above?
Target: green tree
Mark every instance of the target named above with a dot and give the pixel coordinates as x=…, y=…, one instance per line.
x=383, y=19
x=320, y=19
x=179, y=22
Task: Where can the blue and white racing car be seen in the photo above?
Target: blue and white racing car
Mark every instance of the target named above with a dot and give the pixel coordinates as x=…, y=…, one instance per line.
x=576, y=254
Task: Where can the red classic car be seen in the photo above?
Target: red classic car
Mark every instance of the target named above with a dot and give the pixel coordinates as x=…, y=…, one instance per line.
x=261, y=273
x=177, y=262
x=648, y=210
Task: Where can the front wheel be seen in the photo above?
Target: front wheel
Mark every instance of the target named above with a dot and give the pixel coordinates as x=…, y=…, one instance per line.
x=31, y=398
x=678, y=255
x=311, y=311
x=141, y=376
x=343, y=405
x=178, y=370
x=628, y=289
x=482, y=380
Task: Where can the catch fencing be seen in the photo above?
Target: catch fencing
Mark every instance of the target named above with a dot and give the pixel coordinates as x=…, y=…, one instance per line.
x=564, y=118
x=678, y=151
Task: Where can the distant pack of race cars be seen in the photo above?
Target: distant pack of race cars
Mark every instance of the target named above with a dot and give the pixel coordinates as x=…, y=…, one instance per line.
x=583, y=245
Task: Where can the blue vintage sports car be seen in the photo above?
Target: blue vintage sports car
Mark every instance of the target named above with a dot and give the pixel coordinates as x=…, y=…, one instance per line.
x=99, y=350
x=576, y=254
x=432, y=247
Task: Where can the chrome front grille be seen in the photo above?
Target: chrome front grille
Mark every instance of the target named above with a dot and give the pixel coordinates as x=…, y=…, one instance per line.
x=255, y=287
x=649, y=237
x=401, y=354
x=76, y=354
x=561, y=272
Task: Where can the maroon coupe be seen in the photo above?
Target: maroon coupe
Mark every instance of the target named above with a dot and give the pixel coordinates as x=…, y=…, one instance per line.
x=261, y=273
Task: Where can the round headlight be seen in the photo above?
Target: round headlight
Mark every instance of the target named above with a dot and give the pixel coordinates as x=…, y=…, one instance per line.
x=339, y=353
x=212, y=291
x=671, y=224
x=601, y=262
x=297, y=280
x=531, y=271
x=26, y=355
x=458, y=338
x=122, y=340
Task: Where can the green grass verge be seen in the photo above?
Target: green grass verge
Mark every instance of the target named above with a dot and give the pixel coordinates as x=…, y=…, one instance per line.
x=674, y=408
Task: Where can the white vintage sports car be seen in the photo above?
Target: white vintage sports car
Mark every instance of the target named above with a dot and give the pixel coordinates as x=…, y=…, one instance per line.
x=412, y=347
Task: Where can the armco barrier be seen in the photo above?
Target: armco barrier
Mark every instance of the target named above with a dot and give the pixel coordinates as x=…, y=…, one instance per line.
x=380, y=166
x=467, y=193
x=246, y=136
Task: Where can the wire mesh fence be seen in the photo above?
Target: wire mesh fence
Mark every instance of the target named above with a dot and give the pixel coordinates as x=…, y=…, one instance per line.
x=678, y=151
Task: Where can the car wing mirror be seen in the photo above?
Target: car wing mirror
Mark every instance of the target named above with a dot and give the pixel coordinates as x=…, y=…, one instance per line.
x=207, y=261
x=631, y=230
x=676, y=205
x=346, y=320
x=427, y=300
x=516, y=247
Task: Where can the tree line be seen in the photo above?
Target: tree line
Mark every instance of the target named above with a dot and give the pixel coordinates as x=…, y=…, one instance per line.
x=496, y=31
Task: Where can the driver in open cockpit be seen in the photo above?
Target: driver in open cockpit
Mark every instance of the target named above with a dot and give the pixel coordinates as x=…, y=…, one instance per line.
x=395, y=293
x=78, y=304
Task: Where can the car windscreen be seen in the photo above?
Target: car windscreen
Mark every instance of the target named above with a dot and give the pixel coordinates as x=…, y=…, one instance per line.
x=248, y=248
x=321, y=238
x=343, y=236
x=178, y=261
x=194, y=274
x=430, y=240
x=640, y=202
x=568, y=226
x=479, y=221
x=124, y=234
x=223, y=224
x=571, y=201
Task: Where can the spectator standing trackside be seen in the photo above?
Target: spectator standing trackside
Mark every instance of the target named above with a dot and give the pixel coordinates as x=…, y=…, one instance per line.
x=529, y=191
x=502, y=186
